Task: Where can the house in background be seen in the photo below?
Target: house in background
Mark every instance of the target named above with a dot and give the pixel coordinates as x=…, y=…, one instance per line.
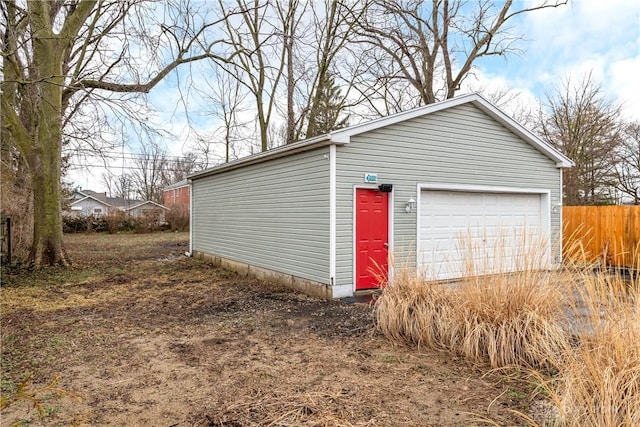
x=177, y=196
x=323, y=215
x=148, y=209
x=86, y=203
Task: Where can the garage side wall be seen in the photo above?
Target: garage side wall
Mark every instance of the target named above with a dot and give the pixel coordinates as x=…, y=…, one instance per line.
x=273, y=215
x=461, y=146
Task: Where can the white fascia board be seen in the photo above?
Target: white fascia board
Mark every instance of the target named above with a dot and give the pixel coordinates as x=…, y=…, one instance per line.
x=92, y=198
x=145, y=203
x=561, y=160
x=274, y=153
x=344, y=135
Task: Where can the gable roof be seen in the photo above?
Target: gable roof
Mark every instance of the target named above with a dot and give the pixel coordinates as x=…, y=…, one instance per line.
x=123, y=203
x=147, y=202
x=102, y=202
x=343, y=136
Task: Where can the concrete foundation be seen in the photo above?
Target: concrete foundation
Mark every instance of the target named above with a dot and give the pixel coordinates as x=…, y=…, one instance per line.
x=306, y=286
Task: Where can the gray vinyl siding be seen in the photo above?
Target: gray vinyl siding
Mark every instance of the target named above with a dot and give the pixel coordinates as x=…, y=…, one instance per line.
x=273, y=215
x=88, y=206
x=460, y=145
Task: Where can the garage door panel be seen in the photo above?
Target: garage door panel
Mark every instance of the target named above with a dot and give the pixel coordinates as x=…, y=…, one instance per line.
x=482, y=232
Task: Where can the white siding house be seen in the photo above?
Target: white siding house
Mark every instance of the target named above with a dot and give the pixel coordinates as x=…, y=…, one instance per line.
x=148, y=210
x=85, y=203
x=89, y=205
x=324, y=214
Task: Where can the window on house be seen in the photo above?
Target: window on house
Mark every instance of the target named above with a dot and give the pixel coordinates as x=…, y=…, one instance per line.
x=97, y=210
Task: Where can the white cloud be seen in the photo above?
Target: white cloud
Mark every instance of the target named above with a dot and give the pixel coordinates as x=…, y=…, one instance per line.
x=597, y=37
x=624, y=82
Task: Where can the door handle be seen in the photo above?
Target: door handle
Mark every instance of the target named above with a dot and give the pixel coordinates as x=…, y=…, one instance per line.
x=386, y=245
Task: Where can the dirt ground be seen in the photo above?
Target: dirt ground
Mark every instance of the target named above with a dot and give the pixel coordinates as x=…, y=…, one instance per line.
x=139, y=334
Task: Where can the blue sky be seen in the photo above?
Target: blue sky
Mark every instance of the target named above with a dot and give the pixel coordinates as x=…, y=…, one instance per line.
x=598, y=36
x=601, y=37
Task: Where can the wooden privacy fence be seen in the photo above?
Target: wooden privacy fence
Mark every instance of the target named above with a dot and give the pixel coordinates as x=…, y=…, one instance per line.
x=609, y=234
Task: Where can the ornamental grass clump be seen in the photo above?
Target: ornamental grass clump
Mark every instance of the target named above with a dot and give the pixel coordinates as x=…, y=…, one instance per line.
x=507, y=319
x=503, y=319
x=577, y=330
x=598, y=382
x=412, y=310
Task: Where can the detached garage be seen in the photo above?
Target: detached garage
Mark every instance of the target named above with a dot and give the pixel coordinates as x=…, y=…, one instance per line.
x=324, y=214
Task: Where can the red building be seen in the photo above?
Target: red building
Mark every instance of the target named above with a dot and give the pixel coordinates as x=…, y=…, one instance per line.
x=177, y=196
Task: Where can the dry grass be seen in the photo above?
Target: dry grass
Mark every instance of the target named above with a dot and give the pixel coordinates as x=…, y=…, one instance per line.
x=507, y=319
x=413, y=310
x=577, y=331
x=503, y=319
x=289, y=410
x=599, y=378
x=146, y=336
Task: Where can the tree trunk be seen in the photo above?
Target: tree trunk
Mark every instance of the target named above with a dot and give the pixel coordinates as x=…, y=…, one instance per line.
x=45, y=154
x=47, y=226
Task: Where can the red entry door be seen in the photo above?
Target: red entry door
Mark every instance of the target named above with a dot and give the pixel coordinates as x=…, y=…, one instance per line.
x=372, y=237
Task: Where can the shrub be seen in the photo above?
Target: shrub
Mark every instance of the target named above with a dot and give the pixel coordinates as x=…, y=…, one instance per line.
x=113, y=223
x=75, y=224
x=118, y=221
x=17, y=203
x=177, y=218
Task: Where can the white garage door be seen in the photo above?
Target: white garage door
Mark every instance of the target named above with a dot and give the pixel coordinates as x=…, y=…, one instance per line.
x=472, y=233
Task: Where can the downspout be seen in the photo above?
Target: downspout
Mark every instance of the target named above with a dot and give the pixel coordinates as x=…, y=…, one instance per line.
x=332, y=214
x=190, y=187
x=561, y=227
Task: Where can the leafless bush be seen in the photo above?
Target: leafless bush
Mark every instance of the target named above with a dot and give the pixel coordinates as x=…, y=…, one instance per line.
x=17, y=204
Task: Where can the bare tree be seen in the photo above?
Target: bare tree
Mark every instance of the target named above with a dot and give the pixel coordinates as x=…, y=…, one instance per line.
x=118, y=185
x=332, y=24
x=226, y=103
x=627, y=171
x=108, y=180
x=431, y=46
x=255, y=41
x=585, y=126
x=148, y=172
x=60, y=55
x=178, y=168
x=288, y=14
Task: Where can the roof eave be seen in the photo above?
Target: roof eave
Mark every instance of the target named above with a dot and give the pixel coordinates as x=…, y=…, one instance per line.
x=144, y=203
x=274, y=153
x=92, y=198
x=560, y=159
x=343, y=136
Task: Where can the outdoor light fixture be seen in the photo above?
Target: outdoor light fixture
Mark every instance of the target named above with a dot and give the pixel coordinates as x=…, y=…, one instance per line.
x=556, y=208
x=410, y=206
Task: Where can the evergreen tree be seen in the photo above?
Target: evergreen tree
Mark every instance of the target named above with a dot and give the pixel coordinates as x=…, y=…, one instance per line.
x=328, y=109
